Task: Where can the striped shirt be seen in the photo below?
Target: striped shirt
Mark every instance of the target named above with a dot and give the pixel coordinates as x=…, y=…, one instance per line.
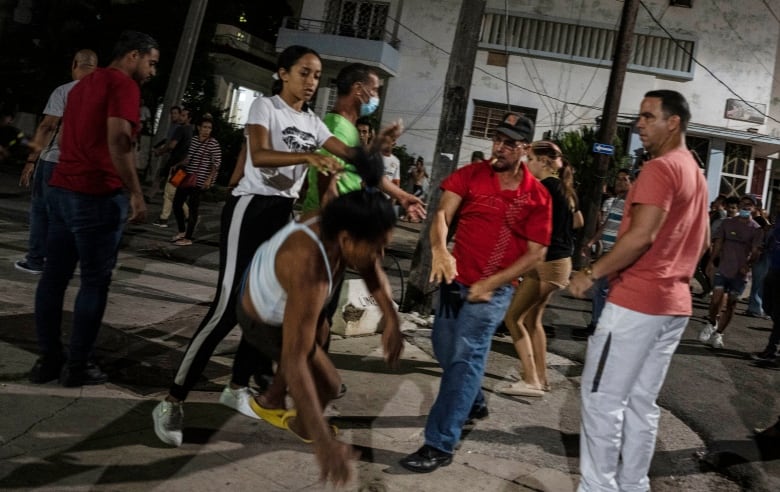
x=613, y=214
x=203, y=158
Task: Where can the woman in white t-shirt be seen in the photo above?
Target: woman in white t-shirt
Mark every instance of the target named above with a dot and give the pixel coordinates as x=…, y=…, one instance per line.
x=282, y=137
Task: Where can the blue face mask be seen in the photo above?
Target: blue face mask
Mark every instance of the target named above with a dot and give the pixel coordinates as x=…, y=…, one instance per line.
x=744, y=214
x=368, y=108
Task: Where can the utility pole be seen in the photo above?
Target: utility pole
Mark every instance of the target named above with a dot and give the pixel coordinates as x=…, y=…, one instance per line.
x=180, y=72
x=451, y=125
x=623, y=46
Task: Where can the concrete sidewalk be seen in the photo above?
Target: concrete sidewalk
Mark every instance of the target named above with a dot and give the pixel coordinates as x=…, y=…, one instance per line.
x=101, y=437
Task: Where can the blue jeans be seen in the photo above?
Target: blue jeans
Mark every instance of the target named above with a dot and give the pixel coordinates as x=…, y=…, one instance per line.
x=39, y=217
x=462, y=332
x=84, y=229
x=757, y=285
x=600, y=291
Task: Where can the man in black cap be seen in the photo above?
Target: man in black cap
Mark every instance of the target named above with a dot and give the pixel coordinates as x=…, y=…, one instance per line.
x=503, y=231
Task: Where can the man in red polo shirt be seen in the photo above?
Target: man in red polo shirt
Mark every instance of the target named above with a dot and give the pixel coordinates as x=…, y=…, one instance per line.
x=88, y=207
x=505, y=221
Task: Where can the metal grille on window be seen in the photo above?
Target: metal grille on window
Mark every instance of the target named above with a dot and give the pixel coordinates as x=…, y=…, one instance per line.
x=736, y=170
x=585, y=44
x=358, y=19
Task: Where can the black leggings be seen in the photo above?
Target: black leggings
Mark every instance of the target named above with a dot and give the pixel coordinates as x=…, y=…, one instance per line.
x=247, y=222
x=192, y=197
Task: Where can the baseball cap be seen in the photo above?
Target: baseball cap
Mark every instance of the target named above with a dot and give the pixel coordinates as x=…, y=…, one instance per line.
x=517, y=127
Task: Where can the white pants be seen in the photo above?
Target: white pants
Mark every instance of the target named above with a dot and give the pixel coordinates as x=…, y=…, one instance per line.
x=625, y=367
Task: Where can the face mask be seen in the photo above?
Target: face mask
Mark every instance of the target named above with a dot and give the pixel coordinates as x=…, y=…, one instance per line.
x=744, y=214
x=369, y=107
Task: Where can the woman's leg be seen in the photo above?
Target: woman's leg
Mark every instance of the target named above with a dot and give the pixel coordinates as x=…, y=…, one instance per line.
x=194, y=204
x=524, y=299
x=536, y=330
x=178, y=208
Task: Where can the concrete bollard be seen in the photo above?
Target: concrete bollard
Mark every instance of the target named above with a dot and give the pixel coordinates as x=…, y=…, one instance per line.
x=358, y=312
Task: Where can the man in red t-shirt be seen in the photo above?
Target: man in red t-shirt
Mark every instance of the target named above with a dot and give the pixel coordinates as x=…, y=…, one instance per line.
x=88, y=207
x=664, y=232
x=505, y=219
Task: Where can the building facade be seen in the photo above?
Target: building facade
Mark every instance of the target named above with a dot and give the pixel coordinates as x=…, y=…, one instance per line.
x=550, y=59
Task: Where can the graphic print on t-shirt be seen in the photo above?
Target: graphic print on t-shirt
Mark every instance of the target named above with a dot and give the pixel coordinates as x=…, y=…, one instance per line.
x=297, y=141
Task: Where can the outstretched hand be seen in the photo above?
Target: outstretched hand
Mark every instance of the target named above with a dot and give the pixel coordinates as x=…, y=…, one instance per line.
x=388, y=136
x=414, y=206
x=443, y=267
x=335, y=459
x=392, y=339
x=324, y=164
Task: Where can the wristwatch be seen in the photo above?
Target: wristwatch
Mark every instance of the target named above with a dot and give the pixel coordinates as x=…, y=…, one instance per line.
x=588, y=271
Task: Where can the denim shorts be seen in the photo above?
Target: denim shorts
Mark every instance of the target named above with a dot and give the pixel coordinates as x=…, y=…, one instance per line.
x=731, y=286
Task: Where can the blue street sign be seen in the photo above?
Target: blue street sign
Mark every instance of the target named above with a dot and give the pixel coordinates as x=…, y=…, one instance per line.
x=600, y=148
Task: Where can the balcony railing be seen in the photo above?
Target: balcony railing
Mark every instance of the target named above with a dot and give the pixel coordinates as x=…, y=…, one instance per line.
x=350, y=30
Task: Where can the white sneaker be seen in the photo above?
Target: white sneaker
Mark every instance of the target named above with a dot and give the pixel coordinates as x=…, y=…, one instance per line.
x=168, y=421
x=239, y=400
x=716, y=341
x=706, y=332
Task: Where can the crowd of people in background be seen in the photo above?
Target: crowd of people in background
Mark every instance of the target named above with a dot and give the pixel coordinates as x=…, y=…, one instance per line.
x=517, y=214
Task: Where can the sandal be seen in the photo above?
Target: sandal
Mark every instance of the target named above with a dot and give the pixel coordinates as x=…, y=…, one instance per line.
x=274, y=416
x=520, y=388
x=178, y=236
x=286, y=420
x=183, y=242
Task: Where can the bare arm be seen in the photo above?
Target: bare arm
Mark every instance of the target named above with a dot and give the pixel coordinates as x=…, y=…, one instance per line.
x=413, y=205
x=43, y=135
x=646, y=222
x=307, y=289
x=392, y=340
x=238, y=170
x=122, y=150
x=263, y=154
x=443, y=267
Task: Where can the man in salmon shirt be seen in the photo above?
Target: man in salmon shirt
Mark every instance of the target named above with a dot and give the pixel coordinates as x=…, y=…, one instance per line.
x=88, y=205
x=664, y=232
x=505, y=222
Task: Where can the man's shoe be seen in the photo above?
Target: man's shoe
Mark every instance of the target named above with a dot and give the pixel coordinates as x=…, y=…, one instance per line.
x=160, y=223
x=238, y=400
x=706, y=333
x=168, y=421
x=24, y=266
x=46, y=369
x=751, y=314
x=766, y=355
x=88, y=374
x=426, y=459
x=478, y=413
x=716, y=341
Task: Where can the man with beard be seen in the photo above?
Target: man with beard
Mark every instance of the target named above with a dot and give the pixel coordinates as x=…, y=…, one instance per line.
x=505, y=221
x=88, y=207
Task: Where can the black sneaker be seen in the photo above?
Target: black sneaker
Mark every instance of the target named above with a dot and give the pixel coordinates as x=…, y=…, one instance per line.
x=46, y=369
x=766, y=355
x=24, y=266
x=82, y=375
x=426, y=459
x=160, y=223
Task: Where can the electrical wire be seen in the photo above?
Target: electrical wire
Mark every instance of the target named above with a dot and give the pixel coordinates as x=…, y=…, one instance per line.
x=750, y=49
x=771, y=11
x=706, y=69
